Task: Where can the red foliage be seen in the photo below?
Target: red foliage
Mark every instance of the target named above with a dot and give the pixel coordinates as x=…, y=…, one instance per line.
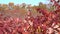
x=47, y=23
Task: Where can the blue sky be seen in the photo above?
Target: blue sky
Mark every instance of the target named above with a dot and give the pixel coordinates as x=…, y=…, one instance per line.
x=33, y=2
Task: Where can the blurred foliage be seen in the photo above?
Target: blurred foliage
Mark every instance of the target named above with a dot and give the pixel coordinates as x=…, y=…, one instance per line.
x=22, y=9
x=43, y=6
